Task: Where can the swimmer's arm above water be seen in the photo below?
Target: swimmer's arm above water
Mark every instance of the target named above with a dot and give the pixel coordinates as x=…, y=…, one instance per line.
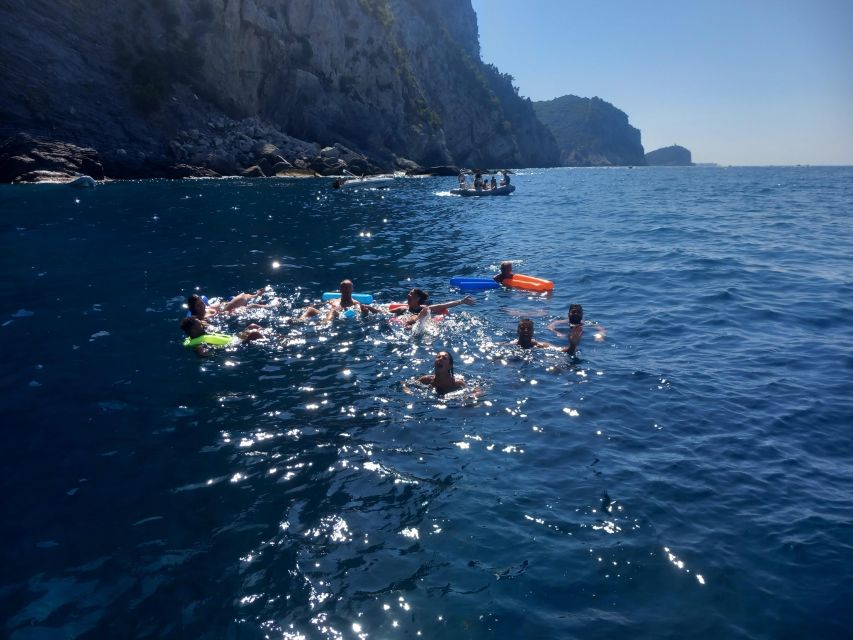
x=444, y=306
x=556, y=327
x=574, y=339
x=420, y=380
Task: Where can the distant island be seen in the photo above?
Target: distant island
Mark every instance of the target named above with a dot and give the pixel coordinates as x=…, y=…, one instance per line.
x=672, y=156
x=591, y=132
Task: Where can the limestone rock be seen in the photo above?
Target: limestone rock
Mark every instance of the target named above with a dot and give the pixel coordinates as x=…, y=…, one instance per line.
x=41, y=175
x=177, y=171
x=197, y=81
x=23, y=154
x=253, y=172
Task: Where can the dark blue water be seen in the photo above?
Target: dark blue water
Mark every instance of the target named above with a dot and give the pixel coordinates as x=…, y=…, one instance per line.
x=690, y=476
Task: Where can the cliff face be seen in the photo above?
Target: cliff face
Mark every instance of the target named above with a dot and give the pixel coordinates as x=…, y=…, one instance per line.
x=591, y=132
x=672, y=156
x=205, y=81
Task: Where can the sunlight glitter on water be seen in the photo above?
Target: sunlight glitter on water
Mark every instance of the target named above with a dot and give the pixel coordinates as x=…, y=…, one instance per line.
x=278, y=437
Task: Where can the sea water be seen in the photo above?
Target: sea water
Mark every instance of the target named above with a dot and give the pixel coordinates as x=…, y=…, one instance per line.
x=687, y=475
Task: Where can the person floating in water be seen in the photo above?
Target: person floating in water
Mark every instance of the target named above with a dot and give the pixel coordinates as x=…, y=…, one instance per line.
x=575, y=325
x=506, y=272
x=442, y=379
x=525, y=336
x=200, y=309
x=416, y=301
x=340, y=305
x=202, y=342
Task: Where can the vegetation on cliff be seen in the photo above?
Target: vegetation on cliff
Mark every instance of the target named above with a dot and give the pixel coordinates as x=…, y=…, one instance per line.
x=672, y=156
x=590, y=132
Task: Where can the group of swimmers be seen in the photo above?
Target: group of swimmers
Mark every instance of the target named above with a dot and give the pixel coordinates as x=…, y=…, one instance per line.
x=416, y=310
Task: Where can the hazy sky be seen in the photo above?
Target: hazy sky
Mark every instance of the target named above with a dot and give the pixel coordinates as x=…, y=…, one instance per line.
x=734, y=81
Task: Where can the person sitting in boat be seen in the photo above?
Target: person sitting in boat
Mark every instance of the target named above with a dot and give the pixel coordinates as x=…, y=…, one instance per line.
x=494, y=182
x=443, y=379
x=506, y=272
x=416, y=300
x=194, y=328
x=505, y=181
x=525, y=336
x=338, y=305
x=462, y=181
x=200, y=309
x=478, y=181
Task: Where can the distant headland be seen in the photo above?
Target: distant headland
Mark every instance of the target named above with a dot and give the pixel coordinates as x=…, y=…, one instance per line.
x=591, y=132
x=672, y=156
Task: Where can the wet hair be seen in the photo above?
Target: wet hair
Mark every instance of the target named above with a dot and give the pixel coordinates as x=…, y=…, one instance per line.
x=188, y=323
x=192, y=303
x=506, y=265
x=524, y=322
x=345, y=281
x=575, y=314
x=421, y=295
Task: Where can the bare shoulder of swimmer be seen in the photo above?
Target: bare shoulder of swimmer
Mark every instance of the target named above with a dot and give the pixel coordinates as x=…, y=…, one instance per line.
x=458, y=381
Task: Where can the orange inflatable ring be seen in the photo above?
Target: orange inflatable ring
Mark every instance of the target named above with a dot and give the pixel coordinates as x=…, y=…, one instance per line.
x=529, y=283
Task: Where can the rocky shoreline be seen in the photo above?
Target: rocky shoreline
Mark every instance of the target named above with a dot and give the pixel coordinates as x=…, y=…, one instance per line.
x=226, y=147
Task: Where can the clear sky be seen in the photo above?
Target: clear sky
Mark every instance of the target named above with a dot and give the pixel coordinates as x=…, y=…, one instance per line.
x=741, y=82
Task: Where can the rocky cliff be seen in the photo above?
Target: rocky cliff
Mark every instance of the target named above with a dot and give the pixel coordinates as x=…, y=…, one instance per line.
x=672, y=156
x=224, y=84
x=591, y=132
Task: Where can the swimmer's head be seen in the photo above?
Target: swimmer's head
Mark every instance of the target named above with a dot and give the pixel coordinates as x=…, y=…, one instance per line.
x=525, y=328
x=444, y=361
x=196, y=306
x=506, y=267
x=575, y=314
x=346, y=287
x=192, y=326
x=417, y=296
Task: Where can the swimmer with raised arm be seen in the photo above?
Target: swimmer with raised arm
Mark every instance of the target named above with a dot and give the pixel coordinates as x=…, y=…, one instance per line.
x=416, y=301
x=575, y=325
x=200, y=309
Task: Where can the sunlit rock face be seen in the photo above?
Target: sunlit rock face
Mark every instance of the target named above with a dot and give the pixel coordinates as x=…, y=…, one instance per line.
x=204, y=82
